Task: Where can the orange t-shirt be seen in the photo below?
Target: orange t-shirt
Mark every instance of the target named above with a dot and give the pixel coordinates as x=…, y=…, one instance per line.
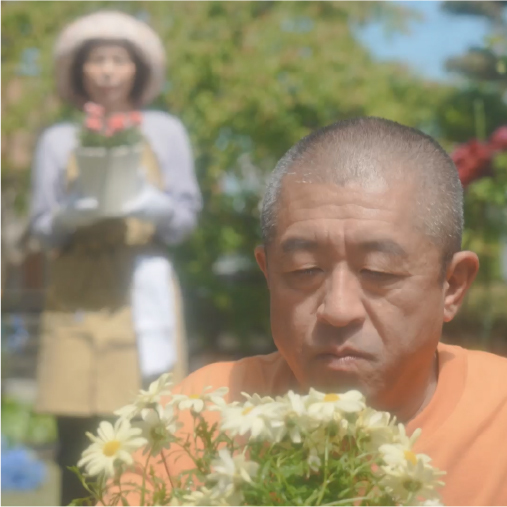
x=464, y=427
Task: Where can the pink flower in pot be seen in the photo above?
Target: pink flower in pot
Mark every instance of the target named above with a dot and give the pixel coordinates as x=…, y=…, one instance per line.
x=116, y=123
x=136, y=118
x=94, y=124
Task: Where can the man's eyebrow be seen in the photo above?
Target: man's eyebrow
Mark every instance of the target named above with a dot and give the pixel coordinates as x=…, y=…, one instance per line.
x=291, y=245
x=387, y=246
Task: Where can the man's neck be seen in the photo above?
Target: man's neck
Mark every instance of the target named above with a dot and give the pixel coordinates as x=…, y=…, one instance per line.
x=416, y=404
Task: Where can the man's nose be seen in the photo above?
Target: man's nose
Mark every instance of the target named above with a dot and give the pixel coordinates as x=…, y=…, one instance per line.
x=342, y=304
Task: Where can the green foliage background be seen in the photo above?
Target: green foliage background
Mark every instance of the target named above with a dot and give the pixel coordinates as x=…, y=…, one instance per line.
x=248, y=79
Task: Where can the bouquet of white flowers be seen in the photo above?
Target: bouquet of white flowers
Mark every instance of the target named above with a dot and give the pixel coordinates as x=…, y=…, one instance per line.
x=313, y=449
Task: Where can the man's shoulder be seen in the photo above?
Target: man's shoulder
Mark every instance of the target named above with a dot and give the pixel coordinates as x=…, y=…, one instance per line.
x=485, y=372
x=488, y=366
x=478, y=358
x=262, y=374
x=486, y=362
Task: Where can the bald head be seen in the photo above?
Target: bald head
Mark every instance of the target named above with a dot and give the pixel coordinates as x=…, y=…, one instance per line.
x=377, y=154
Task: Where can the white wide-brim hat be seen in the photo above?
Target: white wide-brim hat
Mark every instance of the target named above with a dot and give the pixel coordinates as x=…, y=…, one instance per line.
x=109, y=25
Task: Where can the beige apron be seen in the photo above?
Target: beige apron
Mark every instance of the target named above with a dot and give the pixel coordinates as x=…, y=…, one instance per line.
x=88, y=360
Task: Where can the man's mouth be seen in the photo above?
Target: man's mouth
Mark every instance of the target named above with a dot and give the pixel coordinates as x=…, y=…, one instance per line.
x=342, y=358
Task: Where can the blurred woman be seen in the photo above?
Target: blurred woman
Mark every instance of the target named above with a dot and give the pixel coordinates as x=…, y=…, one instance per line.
x=113, y=315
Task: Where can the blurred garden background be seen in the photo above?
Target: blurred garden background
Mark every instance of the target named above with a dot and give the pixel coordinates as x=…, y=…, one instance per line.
x=248, y=79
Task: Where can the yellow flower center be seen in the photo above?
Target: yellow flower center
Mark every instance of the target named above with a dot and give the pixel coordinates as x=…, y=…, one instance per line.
x=111, y=448
x=410, y=456
x=194, y=396
x=247, y=410
x=331, y=397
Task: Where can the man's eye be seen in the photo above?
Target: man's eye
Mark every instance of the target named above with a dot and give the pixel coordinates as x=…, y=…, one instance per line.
x=306, y=272
x=378, y=275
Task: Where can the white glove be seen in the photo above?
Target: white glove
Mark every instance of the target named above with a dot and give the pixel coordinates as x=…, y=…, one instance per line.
x=76, y=212
x=151, y=204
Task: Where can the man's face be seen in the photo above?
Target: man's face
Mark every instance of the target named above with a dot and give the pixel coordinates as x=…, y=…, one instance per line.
x=357, y=299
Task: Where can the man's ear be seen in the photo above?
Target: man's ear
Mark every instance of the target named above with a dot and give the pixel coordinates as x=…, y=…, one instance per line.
x=262, y=261
x=460, y=275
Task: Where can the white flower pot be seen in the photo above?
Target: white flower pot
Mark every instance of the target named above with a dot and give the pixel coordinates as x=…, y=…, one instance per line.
x=110, y=175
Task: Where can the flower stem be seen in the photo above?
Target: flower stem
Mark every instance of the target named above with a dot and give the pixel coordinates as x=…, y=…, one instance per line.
x=346, y=501
x=326, y=470
x=143, y=487
x=167, y=469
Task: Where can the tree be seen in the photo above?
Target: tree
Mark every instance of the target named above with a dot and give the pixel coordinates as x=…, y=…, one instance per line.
x=487, y=63
x=477, y=117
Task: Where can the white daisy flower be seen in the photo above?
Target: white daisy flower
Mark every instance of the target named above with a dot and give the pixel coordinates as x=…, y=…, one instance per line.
x=205, y=496
x=377, y=427
x=197, y=402
x=400, y=451
x=159, y=426
x=255, y=399
x=433, y=502
x=403, y=439
x=323, y=406
x=412, y=480
x=230, y=472
x=395, y=455
x=239, y=419
x=113, y=444
x=409, y=475
x=145, y=399
x=294, y=419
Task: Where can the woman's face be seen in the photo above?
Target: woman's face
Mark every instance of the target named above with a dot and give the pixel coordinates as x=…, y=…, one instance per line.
x=108, y=76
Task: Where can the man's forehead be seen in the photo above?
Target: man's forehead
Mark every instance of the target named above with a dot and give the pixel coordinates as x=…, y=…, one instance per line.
x=314, y=198
x=381, y=243
x=310, y=212
x=374, y=166
x=376, y=171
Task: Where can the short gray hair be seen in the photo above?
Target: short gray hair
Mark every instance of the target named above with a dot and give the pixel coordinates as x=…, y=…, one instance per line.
x=362, y=150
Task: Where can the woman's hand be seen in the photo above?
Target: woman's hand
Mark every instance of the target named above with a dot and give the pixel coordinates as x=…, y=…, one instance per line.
x=76, y=212
x=151, y=204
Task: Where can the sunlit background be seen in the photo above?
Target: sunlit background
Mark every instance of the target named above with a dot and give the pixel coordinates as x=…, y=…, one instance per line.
x=249, y=79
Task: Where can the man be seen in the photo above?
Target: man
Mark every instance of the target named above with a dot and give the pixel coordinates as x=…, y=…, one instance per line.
x=362, y=224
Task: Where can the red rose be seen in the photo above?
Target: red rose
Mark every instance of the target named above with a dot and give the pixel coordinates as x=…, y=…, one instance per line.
x=94, y=109
x=473, y=161
x=93, y=123
x=498, y=140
